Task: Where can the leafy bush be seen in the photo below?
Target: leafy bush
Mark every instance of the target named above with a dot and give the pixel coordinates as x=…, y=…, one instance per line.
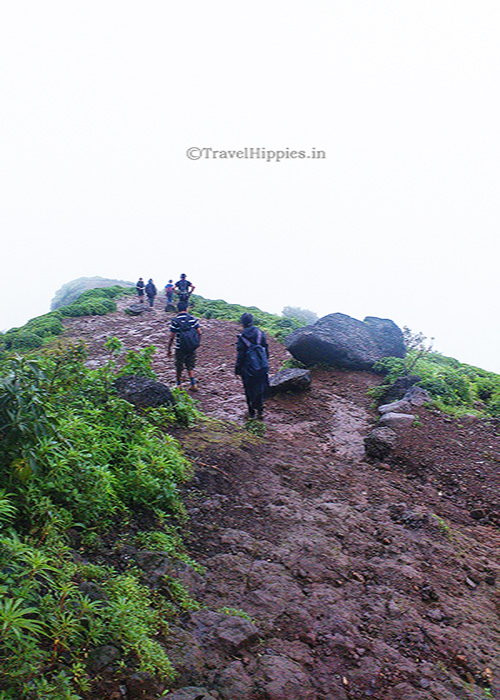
x=76, y=458
x=22, y=340
x=454, y=386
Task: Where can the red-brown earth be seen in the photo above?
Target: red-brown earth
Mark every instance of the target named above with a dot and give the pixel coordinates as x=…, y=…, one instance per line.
x=362, y=580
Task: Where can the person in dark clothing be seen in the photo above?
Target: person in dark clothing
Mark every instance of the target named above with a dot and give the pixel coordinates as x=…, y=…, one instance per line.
x=150, y=292
x=140, y=289
x=184, y=288
x=169, y=291
x=255, y=381
x=183, y=359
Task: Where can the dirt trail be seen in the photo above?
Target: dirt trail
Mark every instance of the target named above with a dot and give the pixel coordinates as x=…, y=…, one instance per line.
x=363, y=581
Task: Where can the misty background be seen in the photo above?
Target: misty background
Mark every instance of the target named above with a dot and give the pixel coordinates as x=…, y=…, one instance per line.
x=101, y=100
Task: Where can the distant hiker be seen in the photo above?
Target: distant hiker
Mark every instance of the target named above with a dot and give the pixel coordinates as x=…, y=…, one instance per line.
x=169, y=291
x=252, y=365
x=184, y=288
x=140, y=289
x=185, y=329
x=151, y=292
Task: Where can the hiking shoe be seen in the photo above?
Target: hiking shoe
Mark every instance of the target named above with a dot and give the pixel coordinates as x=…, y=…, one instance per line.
x=193, y=387
x=260, y=415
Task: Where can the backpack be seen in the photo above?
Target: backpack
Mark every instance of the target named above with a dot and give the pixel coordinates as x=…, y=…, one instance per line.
x=189, y=338
x=255, y=356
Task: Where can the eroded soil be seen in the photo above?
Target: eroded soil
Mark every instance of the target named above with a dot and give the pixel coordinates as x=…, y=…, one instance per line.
x=362, y=580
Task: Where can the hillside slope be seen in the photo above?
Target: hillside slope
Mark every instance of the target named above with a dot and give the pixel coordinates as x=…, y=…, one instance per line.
x=364, y=581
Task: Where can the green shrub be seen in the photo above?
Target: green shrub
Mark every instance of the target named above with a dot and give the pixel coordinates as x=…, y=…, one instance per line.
x=74, y=458
x=22, y=340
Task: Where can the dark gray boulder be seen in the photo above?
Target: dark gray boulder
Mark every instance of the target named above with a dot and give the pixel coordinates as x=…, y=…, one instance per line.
x=143, y=392
x=379, y=442
x=289, y=380
x=341, y=341
x=398, y=389
x=136, y=309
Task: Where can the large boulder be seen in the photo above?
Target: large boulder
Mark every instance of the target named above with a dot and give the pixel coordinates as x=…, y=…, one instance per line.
x=342, y=341
x=143, y=392
x=291, y=379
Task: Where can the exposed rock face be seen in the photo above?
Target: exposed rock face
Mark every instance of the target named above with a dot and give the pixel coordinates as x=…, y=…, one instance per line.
x=342, y=341
x=379, y=442
x=143, y=392
x=289, y=380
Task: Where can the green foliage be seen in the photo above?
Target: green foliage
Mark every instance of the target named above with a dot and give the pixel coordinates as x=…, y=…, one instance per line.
x=76, y=458
x=274, y=325
x=139, y=363
x=454, y=386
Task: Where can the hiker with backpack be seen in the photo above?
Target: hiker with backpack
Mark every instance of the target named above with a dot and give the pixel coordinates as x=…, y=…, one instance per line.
x=184, y=288
x=185, y=330
x=140, y=289
x=150, y=292
x=252, y=365
x=169, y=292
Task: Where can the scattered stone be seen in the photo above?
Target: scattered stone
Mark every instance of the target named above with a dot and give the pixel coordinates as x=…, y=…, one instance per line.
x=342, y=341
x=143, y=392
x=190, y=693
x=227, y=632
x=401, y=406
x=396, y=420
x=398, y=389
x=379, y=442
x=234, y=683
x=102, y=657
x=289, y=380
x=142, y=685
x=417, y=396
x=284, y=679
x=137, y=309
x=413, y=518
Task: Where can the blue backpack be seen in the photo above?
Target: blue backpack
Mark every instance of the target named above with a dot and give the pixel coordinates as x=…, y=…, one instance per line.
x=255, y=356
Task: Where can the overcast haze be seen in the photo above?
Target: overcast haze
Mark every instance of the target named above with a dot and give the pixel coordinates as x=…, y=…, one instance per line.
x=101, y=100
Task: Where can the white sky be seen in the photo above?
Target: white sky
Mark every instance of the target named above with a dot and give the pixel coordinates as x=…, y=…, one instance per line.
x=99, y=102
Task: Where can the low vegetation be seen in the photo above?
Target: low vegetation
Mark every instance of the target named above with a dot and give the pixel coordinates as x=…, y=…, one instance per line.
x=79, y=468
x=36, y=332
x=454, y=386
x=277, y=326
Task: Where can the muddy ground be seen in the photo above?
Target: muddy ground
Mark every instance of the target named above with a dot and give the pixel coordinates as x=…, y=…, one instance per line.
x=361, y=580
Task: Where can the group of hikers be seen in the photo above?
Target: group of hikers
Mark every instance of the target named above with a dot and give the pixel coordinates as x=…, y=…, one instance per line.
x=183, y=289
x=252, y=350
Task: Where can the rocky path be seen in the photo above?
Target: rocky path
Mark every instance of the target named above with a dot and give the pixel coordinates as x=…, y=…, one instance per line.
x=359, y=581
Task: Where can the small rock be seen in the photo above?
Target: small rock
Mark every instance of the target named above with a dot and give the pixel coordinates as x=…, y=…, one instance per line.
x=401, y=406
x=289, y=380
x=397, y=420
x=189, y=693
x=379, y=442
x=137, y=309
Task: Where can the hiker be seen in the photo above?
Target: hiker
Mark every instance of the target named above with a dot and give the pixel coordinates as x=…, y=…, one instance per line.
x=169, y=291
x=185, y=329
x=252, y=365
x=150, y=292
x=140, y=289
x=184, y=288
